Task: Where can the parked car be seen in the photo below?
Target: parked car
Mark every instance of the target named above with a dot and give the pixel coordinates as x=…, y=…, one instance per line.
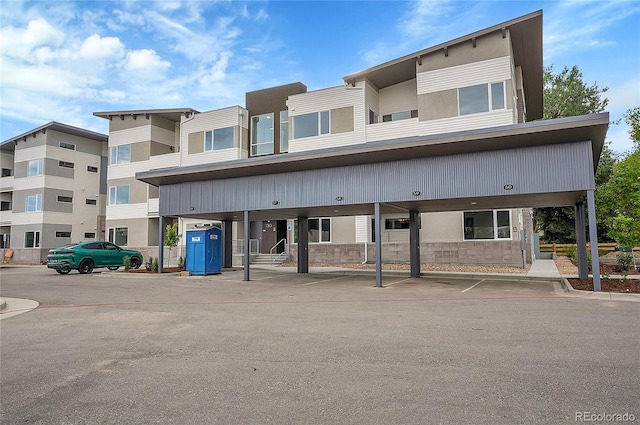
x=86, y=256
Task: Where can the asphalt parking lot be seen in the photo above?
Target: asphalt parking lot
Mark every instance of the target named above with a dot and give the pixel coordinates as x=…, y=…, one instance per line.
x=319, y=348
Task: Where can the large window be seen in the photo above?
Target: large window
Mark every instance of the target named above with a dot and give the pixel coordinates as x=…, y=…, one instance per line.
x=32, y=239
x=35, y=167
x=397, y=116
x=309, y=125
x=262, y=134
x=221, y=138
x=481, y=98
x=118, y=195
x=34, y=203
x=487, y=225
x=319, y=230
x=284, y=131
x=119, y=235
x=120, y=154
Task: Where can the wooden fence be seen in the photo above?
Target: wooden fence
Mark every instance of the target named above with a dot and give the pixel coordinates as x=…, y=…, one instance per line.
x=560, y=248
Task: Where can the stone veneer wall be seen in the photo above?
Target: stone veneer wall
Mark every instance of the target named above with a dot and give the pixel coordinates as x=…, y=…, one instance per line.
x=498, y=253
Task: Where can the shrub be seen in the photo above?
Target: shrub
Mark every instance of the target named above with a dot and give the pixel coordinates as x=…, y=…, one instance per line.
x=149, y=264
x=181, y=263
x=126, y=261
x=625, y=260
x=154, y=266
x=572, y=253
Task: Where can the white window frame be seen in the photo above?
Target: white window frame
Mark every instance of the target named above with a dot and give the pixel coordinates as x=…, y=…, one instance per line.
x=38, y=206
x=213, y=139
x=254, y=143
x=63, y=236
x=318, y=122
x=36, y=239
x=89, y=233
x=64, y=202
x=320, y=241
x=115, y=155
x=284, y=132
x=92, y=169
x=39, y=167
x=490, y=98
x=495, y=226
x=67, y=145
x=111, y=232
x=66, y=164
x=114, y=198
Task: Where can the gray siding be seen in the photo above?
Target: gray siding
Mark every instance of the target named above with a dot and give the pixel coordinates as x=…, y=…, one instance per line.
x=540, y=169
x=51, y=168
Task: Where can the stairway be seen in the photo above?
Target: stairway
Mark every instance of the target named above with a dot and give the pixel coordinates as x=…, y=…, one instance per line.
x=265, y=259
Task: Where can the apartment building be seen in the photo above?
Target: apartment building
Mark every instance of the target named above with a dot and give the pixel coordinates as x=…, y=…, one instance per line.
x=435, y=156
x=52, y=189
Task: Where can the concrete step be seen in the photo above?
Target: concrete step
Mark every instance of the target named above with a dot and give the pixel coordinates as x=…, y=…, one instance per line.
x=266, y=259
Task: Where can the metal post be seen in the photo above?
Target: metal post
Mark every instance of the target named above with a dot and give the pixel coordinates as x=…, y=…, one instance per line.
x=247, y=251
x=303, y=245
x=593, y=236
x=414, y=243
x=227, y=243
x=378, y=233
x=160, y=244
x=581, y=242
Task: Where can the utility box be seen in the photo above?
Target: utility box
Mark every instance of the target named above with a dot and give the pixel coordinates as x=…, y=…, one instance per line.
x=204, y=251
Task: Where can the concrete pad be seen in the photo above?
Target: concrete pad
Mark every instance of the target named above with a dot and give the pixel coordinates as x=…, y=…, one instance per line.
x=15, y=306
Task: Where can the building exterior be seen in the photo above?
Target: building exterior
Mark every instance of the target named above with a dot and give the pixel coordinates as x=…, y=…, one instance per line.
x=52, y=189
x=483, y=80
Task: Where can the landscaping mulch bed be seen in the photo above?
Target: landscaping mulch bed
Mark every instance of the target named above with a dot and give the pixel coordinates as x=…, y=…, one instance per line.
x=165, y=270
x=626, y=286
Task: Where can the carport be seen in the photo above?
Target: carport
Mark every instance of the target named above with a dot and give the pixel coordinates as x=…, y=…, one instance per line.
x=536, y=164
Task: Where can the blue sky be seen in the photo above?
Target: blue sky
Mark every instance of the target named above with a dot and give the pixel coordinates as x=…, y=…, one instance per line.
x=63, y=60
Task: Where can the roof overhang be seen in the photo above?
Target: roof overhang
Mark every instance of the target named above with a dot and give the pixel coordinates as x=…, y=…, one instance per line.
x=526, y=40
x=171, y=114
x=591, y=128
x=9, y=144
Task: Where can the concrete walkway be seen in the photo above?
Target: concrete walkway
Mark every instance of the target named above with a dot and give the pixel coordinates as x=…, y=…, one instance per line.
x=14, y=306
x=545, y=269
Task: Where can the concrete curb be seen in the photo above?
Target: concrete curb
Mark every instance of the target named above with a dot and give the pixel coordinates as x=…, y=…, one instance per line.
x=608, y=296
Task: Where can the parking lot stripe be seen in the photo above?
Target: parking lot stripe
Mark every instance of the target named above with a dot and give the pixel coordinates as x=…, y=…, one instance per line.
x=325, y=280
x=472, y=286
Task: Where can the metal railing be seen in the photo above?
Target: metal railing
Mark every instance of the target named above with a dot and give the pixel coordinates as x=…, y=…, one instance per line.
x=281, y=254
x=238, y=246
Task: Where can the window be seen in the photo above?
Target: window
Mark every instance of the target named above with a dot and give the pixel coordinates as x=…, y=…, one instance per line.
x=34, y=203
x=396, y=224
x=63, y=234
x=284, y=131
x=91, y=202
x=373, y=117
x=309, y=125
x=32, y=239
x=66, y=145
x=262, y=134
x=65, y=164
x=119, y=235
x=6, y=172
x=481, y=98
x=118, y=195
x=65, y=198
x=88, y=235
x=221, y=138
x=397, y=116
x=120, y=154
x=5, y=206
x=319, y=230
x=487, y=225
x=35, y=167
x=92, y=169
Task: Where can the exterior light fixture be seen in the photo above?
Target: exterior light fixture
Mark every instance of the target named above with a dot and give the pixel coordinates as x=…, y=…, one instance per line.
x=275, y=202
x=508, y=187
x=416, y=193
x=339, y=198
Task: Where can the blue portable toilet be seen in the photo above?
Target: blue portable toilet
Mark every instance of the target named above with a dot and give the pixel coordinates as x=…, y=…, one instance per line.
x=204, y=251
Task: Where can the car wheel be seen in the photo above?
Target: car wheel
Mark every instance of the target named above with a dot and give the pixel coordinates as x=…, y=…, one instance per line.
x=86, y=266
x=135, y=263
x=63, y=271
x=112, y=268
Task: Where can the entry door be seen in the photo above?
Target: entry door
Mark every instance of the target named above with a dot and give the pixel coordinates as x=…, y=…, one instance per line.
x=269, y=236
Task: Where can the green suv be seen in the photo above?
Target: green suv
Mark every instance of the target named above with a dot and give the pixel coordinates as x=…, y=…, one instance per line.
x=85, y=256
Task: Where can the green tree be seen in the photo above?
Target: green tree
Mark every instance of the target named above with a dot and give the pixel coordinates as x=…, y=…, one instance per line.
x=618, y=201
x=171, y=237
x=632, y=118
x=564, y=95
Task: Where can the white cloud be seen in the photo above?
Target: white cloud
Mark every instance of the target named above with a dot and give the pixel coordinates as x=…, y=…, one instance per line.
x=146, y=60
x=20, y=42
x=100, y=48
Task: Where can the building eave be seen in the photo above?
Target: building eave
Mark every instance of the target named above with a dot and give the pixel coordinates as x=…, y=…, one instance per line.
x=173, y=114
x=563, y=130
x=9, y=144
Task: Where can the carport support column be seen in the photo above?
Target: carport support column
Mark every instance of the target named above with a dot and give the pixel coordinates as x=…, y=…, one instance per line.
x=303, y=245
x=160, y=244
x=247, y=248
x=227, y=243
x=593, y=236
x=414, y=243
x=378, y=233
x=581, y=241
